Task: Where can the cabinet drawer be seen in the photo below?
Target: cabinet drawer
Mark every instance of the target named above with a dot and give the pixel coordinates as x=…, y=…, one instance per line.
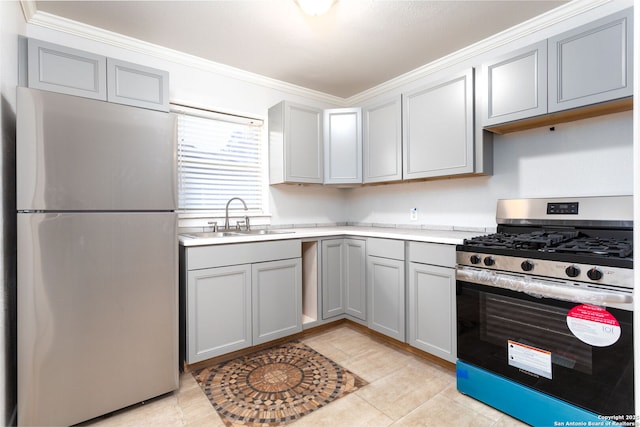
x=386, y=248
x=241, y=253
x=432, y=253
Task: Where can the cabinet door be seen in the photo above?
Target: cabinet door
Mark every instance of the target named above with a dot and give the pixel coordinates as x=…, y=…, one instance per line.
x=137, y=85
x=303, y=144
x=592, y=63
x=332, y=278
x=385, y=294
x=431, y=304
x=355, y=284
x=439, y=129
x=277, y=299
x=343, y=146
x=516, y=85
x=219, y=311
x=382, y=141
x=61, y=69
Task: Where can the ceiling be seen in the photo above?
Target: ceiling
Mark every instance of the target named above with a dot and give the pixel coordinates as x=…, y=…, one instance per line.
x=357, y=45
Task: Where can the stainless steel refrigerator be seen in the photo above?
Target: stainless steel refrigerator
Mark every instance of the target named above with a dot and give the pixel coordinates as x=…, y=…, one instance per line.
x=97, y=257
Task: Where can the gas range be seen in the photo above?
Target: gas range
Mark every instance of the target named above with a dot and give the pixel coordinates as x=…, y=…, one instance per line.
x=588, y=240
x=544, y=310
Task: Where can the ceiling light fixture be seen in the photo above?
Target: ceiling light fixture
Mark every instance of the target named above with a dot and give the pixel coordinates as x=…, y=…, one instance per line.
x=315, y=7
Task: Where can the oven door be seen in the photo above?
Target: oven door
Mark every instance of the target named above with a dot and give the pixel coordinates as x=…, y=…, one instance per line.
x=580, y=353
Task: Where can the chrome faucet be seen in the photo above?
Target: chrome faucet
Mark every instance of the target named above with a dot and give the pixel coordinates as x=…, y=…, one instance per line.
x=226, y=217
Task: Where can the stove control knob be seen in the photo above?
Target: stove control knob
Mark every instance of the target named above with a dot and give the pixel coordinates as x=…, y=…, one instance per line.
x=475, y=259
x=594, y=274
x=572, y=271
x=527, y=265
x=489, y=261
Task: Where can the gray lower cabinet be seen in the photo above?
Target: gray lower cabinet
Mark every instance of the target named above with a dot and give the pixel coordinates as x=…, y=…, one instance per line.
x=219, y=314
x=343, y=278
x=592, y=63
x=277, y=300
x=432, y=299
x=386, y=287
x=75, y=72
x=438, y=128
x=238, y=295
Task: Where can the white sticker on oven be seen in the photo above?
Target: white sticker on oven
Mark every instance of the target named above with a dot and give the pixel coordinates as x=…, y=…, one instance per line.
x=593, y=325
x=530, y=359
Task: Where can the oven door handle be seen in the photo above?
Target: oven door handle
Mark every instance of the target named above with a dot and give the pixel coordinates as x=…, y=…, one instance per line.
x=541, y=288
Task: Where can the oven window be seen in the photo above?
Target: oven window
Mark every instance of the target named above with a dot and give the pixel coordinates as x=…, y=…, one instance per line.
x=533, y=324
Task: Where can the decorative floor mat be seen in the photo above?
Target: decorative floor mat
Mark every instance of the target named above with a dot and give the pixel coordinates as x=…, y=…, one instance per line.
x=275, y=386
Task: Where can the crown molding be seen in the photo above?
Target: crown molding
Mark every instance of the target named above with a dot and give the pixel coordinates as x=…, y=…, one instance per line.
x=57, y=23
x=29, y=9
x=505, y=37
x=555, y=16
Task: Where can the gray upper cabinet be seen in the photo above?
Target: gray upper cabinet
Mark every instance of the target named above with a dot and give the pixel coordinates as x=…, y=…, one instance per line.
x=438, y=128
x=295, y=144
x=343, y=146
x=516, y=85
x=74, y=72
x=137, y=85
x=382, y=141
x=61, y=69
x=592, y=63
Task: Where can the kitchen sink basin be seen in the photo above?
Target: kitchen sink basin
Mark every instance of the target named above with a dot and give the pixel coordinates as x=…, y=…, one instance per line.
x=210, y=234
x=263, y=232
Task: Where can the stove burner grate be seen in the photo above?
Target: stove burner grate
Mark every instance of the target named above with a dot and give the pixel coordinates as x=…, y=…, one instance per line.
x=597, y=246
x=568, y=242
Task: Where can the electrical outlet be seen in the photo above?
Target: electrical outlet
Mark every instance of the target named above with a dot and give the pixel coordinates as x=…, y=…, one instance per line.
x=413, y=214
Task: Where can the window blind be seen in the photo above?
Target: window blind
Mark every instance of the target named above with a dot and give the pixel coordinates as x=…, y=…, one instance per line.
x=219, y=157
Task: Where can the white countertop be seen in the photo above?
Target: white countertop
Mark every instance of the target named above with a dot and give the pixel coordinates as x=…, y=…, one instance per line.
x=451, y=237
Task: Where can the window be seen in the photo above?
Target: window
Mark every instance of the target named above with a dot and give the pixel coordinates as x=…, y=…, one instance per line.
x=220, y=156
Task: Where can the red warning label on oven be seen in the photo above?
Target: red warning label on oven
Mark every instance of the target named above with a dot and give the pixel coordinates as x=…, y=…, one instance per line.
x=593, y=325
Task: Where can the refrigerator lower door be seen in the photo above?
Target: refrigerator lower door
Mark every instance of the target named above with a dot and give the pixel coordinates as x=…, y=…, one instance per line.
x=97, y=313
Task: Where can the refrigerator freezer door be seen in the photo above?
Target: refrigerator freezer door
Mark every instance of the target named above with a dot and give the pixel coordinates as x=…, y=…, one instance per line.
x=76, y=154
x=97, y=313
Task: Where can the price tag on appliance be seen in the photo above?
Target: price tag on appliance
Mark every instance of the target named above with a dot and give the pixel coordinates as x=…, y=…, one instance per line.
x=530, y=359
x=593, y=325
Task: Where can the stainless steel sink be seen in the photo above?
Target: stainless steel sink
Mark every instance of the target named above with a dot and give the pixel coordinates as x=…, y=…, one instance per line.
x=263, y=232
x=209, y=234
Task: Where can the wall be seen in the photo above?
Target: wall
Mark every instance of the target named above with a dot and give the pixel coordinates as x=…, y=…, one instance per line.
x=11, y=24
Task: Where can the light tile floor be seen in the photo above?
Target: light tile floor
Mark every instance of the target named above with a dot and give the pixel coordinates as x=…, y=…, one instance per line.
x=404, y=390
